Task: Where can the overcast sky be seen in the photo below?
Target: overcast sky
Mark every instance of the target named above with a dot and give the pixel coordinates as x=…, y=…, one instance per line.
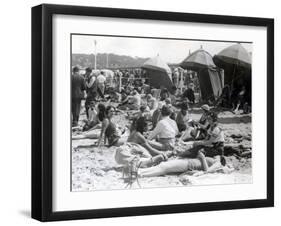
x=171, y=51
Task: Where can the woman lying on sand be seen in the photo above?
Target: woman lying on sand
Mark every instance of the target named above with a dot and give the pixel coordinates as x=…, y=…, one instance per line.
x=201, y=163
x=194, y=158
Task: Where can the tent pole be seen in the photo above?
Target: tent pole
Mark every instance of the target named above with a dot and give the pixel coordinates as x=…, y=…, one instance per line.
x=232, y=80
x=181, y=82
x=222, y=77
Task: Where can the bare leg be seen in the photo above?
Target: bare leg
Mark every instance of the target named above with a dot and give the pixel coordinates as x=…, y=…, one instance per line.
x=173, y=166
x=149, y=162
x=121, y=141
x=187, y=134
x=93, y=134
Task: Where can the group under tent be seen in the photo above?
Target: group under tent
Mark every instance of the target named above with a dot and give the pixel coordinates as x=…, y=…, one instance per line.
x=236, y=63
x=210, y=78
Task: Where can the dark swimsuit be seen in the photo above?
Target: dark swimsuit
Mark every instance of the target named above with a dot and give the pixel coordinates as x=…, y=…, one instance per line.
x=111, y=134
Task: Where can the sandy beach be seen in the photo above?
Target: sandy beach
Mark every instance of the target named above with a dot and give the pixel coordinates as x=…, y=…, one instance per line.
x=95, y=168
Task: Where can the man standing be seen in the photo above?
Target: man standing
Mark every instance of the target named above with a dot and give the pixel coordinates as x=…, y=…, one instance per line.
x=78, y=93
x=101, y=84
x=91, y=88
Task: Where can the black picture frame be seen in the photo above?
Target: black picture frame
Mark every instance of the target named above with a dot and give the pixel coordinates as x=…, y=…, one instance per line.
x=42, y=111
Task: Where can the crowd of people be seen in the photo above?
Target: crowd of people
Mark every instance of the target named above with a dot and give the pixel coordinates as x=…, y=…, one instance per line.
x=162, y=137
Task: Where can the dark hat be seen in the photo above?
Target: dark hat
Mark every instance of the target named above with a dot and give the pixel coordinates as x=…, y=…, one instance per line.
x=184, y=106
x=166, y=110
x=75, y=69
x=88, y=69
x=214, y=116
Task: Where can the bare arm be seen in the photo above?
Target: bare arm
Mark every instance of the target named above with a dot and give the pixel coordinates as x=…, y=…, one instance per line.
x=91, y=82
x=155, y=132
x=103, y=128
x=150, y=149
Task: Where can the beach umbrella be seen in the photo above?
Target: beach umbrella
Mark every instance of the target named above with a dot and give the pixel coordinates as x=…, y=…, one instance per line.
x=198, y=60
x=235, y=54
x=157, y=64
x=234, y=60
x=158, y=73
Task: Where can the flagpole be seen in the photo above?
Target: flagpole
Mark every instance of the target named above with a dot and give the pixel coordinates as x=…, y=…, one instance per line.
x=95, y=54
x=107, y=60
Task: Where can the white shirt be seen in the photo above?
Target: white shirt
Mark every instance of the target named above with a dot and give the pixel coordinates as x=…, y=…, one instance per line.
x=92, y=114
x=101, y=79
x=216, y=135
x=152, y=103
x=165, y=128
x=136, y=99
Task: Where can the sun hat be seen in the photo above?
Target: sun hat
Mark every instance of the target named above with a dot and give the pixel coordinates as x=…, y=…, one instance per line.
x=205, y=107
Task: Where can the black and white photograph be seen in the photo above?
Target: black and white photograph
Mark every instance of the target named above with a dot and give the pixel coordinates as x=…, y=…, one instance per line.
x=160, y=112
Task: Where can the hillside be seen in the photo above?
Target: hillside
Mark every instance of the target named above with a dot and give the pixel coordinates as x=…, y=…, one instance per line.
x=104, y=61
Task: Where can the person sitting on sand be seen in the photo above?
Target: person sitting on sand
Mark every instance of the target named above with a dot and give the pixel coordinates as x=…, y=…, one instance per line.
x=156, y=116
x=173, y=95
x=114, y=96
x=135, y=101
x=136, y=136
x=164, y=94
x=239, y=100
x=124, y=98
x=143, y=112
x=164, y=132
x=212, y=145
x=92, y=116
x=109, y=129
x=182, y=165
x=137, y=150
x=203, y=124
x=183, y=118
x=151, y=103
x=93, y=132
x=168, y=103
x=132, y=102
x=189, y=94
x=224, y=100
